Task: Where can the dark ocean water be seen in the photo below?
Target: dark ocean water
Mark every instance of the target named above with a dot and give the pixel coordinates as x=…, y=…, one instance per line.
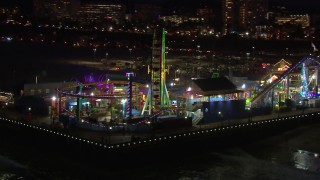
x=293, y=155
x=22, y=63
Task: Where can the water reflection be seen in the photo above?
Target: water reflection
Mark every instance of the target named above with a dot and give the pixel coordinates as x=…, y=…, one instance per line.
x=306, y=160
x=10, y=176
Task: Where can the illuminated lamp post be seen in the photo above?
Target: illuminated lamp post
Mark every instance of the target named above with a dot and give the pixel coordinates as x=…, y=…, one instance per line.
x=250, y=115
x=130, y=50
x=29, y=116
x=54, y=108
x=176, y=73
x=220, y=115
x=53, y=105
x=253, y=48
x=110, y=129
x=123, y=102
x=94, y=53
x=188, y=101
x=92, y=100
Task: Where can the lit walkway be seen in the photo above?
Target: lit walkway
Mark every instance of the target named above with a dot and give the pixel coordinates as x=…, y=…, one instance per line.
x=116, y=137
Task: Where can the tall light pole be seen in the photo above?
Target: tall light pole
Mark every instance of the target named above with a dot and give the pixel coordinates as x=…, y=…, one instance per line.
x=253, y=48
x=109, y=134
x=175, y=73
x=130, y=50
x=248, y=58
x=94, y=53
x=106, y=56
x=123, y=102
x=198, y=49
x=92, y=99
x=54, y=108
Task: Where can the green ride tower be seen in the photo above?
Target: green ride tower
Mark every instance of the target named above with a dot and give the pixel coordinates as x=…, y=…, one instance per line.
x=158, y=96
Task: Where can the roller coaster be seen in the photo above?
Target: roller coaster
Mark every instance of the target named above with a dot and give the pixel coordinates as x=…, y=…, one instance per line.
x=298, y=83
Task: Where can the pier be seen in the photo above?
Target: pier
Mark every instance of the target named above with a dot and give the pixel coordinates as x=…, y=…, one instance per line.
x=107, y=142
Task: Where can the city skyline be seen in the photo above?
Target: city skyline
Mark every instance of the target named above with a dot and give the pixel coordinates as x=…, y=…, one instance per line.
x=308, y=6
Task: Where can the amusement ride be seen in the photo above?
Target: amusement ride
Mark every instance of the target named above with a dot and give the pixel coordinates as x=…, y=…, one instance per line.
x=124, y=101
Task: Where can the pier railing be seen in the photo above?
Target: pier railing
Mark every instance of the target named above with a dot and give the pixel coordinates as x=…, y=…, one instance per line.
x=182, y=134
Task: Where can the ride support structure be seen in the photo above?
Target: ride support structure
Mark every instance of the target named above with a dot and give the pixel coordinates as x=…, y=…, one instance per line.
x=158, y=96
x=129, y=96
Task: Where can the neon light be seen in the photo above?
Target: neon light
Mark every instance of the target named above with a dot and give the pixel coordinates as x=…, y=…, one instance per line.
x=304, y=91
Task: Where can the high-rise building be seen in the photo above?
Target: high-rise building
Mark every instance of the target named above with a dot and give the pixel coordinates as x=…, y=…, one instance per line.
x=252, y=13
x=228, y=15
x=243, y=14
x=98, y=12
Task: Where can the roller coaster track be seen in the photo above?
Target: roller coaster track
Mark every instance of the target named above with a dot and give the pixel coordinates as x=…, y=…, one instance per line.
x=281, y=77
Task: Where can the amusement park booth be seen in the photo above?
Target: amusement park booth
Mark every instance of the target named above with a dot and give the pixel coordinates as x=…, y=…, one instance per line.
x=217, y=99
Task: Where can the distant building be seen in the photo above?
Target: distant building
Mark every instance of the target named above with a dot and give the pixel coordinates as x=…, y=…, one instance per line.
x=228, y=15
x=278, y=11
x=174, y=20
x=205, y=13
x=299, y=20
x=177, y=20
x=43, y=89
x=291, y=27
x=99, y=12
x=10, y=15
x=243, y=15
x=252, y=13
x=73, y=9
x=55, y=9
x=264, y=32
